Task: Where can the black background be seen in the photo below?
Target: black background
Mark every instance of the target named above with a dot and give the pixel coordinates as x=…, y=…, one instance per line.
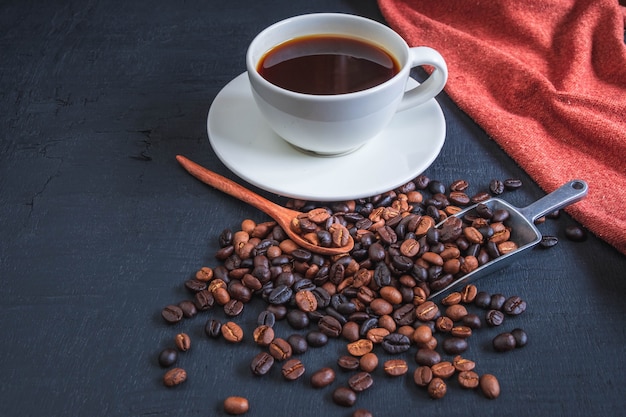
x=100, y=227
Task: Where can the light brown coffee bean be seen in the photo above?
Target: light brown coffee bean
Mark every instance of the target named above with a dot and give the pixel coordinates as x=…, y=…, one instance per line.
x=377, y=334
x=174, y=377
x=306, y=301
x=461, y=364
x=232, y=332
x=395, y=367
x=280, y=349
x=444, y=324
x=322, y=377
x=461, y=331
x=468, y=379
x=443, y=369
x=426, y=311
x=469, y=293
x=490, y=386
x=451, y=299
x=368, y=362
x=422, y=334
x=360, y=347
x=293, y=369
x=456, y=312
x=236, y=405
x=182, y=342
x=263, y=335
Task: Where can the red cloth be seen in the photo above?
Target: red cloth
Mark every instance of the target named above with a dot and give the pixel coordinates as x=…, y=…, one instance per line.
x=546, y=79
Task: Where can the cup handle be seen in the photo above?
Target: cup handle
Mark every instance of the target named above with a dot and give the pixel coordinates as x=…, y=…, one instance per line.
x=423, y=55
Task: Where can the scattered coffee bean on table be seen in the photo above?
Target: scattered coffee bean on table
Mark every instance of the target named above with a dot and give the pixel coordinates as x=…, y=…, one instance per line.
x=374, y=298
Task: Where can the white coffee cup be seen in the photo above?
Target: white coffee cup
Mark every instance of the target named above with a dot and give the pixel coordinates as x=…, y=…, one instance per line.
x=330, y=125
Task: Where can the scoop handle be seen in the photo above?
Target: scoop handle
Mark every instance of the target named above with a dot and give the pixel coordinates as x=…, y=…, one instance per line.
x=568, y=193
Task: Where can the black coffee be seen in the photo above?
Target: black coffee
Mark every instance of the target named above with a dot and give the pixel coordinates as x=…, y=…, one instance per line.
x=327, y=64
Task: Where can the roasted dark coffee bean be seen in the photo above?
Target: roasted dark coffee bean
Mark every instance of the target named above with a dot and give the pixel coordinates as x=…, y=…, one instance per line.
x=484, y=211
x=330, y=326
x=396, y=343
x=172, y=314
x=195, y=285
x=490, y=386
x=204, y=300
x=174, y=377
x=344, y=396
x=454, y=345
x=168, y=357
x=348, y=363
x=504, y=342
x=459, y=198
x=382, y=275
x=298, y=319
x=262, y=363
x=266, y=318
x=461, y=331
x=575, y=233
x=496, y=187
x=299, y=344
x=548, y=241
x=322, y=296
x=514, y=306
x=427, y=357
x=512, y=183
x=494, y=317
x=500, y=215
x=316, y=339
x=322, y=377
x=437, y=388
x=436, y=187
x=497, y=301
x=482, y=300
x=280, y=295
x=480, y=197
x=444, y=324
x=406, y=314
x=451, y=229
x=233, y=307
x=212, y=328
x=293, y=369
x=279, y=311
x=360, y=381
x=472, y=321
x=521, y=338
x=188, y=307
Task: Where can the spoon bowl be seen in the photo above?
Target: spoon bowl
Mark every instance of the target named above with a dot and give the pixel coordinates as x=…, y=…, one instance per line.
x=282, y=215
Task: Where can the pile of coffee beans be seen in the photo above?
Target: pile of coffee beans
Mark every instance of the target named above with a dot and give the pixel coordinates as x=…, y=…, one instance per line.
x=374, y=298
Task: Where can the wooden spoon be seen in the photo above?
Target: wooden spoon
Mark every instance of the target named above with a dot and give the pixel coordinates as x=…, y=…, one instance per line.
x=282, y=215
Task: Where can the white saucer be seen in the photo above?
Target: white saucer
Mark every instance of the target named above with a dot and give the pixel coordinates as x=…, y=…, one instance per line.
x=246, y=145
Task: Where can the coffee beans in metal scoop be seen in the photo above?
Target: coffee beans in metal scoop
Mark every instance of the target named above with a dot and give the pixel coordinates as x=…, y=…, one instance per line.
x=375, y=297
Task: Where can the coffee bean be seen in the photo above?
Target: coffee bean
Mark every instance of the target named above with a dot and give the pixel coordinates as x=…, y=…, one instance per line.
x=504, y=342
x=212, y=328
x=360, y=347
x=497, y=301
x=454, y=345
x=172, y=314
x=232, y=332
x=521, y=338
x=548, y=241
x=514, y=306
x=468, y=379
x=344, y=396
x=461, y=364
x=174, y=377
x=427, y=357
x=316, y=339
x=330, y=326
x=233, y=307
x=395, y=367
x=236, y=405
x=348, y=363
x=468, y=294
x=443, y=369
x=298, y=343
x=490, y=386
x=422, y=376
x=426, y=311
x=293, y=369
x=494, y=317
x=482, y=300
x=298, y=319
x=183, y=342
x=204, y=300
x=280, y=349
x=395, y=343
x=322, y=377
x=512, y=183
x=262, y=363
x=360, y=381
x=472, y=321
x=496, y=187
x=368, y=362
x=444, y=324
x=280, y=295
x=437, y=388
x=188, y=307
x=168, y=357
x=263, y=335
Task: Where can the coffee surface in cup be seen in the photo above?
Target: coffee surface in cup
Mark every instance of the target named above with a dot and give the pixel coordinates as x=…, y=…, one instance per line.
x=327, y=64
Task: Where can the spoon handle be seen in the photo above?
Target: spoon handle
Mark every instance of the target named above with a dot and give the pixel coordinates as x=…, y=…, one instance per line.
x=230, y=187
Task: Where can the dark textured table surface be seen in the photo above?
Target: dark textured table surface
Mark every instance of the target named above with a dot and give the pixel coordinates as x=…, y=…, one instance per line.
x=100, y=227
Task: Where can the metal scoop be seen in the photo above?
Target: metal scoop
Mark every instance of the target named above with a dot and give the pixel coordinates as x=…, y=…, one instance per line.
x=523, y=230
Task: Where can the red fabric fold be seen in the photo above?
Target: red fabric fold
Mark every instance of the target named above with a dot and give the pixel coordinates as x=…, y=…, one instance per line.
x=546, y=79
